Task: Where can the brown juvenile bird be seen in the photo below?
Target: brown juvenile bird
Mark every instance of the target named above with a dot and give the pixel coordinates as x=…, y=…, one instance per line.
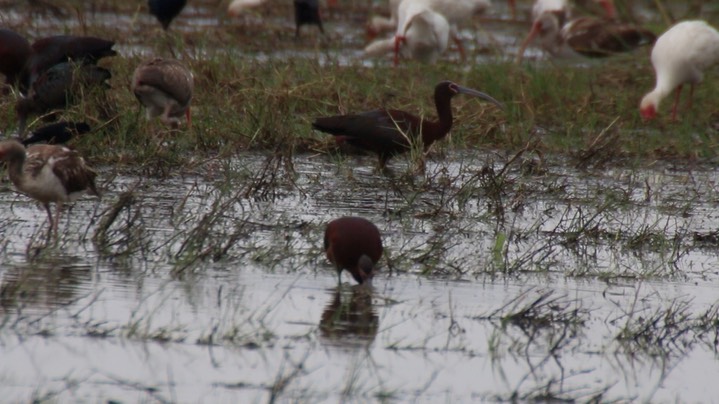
x=48, y=173
x=164, y=87
x=389, y=132
x=354, y=244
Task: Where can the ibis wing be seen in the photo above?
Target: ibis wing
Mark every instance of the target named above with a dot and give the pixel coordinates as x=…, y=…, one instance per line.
x=378, y=130
x=598, y=38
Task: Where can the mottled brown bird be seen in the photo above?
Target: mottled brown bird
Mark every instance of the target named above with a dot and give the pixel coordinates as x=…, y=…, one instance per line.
x=164, y=87
x=354, y=244
x=48, y=173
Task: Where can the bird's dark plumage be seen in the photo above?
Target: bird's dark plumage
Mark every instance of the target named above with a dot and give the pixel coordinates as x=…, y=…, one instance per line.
x=15, y=51
x=57, y=133
x=307, y=12
x=389, y=132
x=166, y=10
x=593, y=37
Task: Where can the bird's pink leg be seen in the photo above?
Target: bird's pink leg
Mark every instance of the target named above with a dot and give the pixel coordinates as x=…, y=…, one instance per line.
x=676, y=102
x=398, y=39
x=49, y=216
x=460, y=47
x=189, y=117
x=58, y=209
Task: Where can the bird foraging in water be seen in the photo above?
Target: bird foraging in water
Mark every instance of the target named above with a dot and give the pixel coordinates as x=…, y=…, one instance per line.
x=354, y=244
x=164, y=87
x=48, y=174
x=389, y=132
x=166, y=10
x=680, y=56
x=307, y=12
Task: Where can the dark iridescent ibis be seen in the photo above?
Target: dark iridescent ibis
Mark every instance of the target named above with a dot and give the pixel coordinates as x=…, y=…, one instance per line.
x=164, y=87
x=54, y=50
x=354, y=244
x=307, y=12
x=166, y=10
x=48, y=174
x=57, y=88
x=14, y=53
x=389, y=132
x=56, y=133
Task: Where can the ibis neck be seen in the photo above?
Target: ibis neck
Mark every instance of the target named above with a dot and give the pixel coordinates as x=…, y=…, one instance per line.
x=444, y=115
x=15, y=161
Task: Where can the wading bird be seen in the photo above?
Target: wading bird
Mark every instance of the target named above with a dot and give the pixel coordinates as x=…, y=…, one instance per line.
x=56, y=133
x=680, y=56
x=15, y=51
x=389, y=132
x=307, y=12
x=560, y=36
x=354, y=244
x=164, y=87
x=50, y=51
x=48, y=174
x=166, y=10
x=57, y=88
x=423, y=35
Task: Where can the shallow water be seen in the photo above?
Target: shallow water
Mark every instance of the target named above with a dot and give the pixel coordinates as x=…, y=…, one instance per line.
x=132, y=320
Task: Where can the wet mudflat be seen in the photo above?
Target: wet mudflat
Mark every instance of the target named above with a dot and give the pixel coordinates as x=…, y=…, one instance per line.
x=570, y=285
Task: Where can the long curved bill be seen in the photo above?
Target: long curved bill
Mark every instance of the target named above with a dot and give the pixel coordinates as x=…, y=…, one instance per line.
x=478, y=94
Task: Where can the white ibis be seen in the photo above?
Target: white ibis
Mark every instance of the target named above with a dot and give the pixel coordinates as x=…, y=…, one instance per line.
x=48, y=173
x=680, y=56
x=237, y=7
x=454, y=11
x=587, y=36
x=423, y=34
x=164, y=87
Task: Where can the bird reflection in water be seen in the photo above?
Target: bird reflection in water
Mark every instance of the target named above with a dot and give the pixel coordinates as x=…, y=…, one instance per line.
x=350, y=318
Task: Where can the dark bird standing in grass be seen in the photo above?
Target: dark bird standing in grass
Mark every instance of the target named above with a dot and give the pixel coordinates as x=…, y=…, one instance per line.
x=354, y=244
x=166, y=10
x=389, y=132
x=57, y=88
x=56, y=133
x=48, y=174
x=14, y=53
x=54, y=50
x=307, y=12
x=164, y=87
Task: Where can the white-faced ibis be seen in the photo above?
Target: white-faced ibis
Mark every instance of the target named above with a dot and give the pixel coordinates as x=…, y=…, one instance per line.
x=389, y=132
x=423, y=35
x=56, y=133
x=307, y=12
x=58, y=87
x=561, y=36
x=680, y=56
x=166, y=10
x=15, y=51
x=164, y=87
x=48, y=174
x=354, y=244
x=50, y=51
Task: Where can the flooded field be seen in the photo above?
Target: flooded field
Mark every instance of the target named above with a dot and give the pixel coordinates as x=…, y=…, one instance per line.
x=604, y=288
x=509, y=274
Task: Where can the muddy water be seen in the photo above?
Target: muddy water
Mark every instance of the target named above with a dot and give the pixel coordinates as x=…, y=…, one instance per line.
x=135, y=318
